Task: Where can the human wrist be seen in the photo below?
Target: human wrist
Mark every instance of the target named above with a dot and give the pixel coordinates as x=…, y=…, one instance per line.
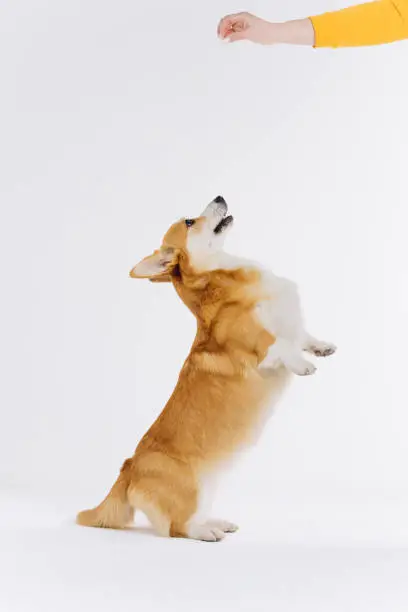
x=298, y=32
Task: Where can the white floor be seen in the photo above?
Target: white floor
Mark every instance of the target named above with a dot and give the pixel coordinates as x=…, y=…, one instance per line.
x=297, y=557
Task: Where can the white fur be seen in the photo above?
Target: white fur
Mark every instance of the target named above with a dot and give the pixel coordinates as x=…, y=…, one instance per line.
x=204, y=532
x=279, y=311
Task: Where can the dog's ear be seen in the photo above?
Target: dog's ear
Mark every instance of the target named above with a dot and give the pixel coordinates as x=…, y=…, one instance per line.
x=158, y=266
x=163, y=278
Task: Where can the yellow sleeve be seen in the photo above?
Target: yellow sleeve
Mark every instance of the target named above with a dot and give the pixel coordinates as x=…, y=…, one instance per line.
x=375, y=23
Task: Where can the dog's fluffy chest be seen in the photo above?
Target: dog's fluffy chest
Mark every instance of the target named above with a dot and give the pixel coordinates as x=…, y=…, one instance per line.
x=278, y=305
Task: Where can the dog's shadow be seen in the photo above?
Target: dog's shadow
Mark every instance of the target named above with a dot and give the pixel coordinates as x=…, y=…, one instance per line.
x=142, y=530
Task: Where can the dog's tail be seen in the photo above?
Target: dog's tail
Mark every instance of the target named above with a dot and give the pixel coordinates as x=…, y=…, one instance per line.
x=114, y=512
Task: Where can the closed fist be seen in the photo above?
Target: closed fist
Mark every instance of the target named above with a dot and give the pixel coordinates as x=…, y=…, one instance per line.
x=245, y=26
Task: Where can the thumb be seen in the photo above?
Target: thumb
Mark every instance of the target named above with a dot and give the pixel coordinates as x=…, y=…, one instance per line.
x=235, y=36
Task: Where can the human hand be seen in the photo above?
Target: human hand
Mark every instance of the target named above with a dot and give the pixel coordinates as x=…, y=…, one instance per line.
x=245, y=26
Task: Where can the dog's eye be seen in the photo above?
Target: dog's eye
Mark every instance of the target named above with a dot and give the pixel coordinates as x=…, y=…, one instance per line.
x=189, y=222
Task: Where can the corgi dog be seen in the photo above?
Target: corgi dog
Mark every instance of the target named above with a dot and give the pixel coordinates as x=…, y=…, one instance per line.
x=250, y=341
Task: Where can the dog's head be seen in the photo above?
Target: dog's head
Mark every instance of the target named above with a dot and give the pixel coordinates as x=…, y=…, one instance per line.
x=196, y=241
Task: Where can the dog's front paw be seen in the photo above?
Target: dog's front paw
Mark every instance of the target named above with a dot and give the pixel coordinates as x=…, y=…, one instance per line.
x=304, y=369
x=323, y=350
x=319, y=348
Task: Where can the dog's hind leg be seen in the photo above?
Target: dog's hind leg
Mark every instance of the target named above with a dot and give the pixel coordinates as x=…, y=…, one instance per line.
x=167, y=492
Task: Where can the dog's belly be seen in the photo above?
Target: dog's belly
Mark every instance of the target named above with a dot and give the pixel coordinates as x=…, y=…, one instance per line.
x=210, y=474
x=277, y=380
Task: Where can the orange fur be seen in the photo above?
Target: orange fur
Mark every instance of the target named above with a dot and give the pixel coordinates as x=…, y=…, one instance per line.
x=218, y=399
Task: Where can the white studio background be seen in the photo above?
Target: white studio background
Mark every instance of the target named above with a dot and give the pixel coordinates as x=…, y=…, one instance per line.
x=116, y=119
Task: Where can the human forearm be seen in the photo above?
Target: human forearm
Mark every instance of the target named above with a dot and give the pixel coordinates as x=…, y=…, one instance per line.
x=245, y=26
x=298, y=32
x=373, y=23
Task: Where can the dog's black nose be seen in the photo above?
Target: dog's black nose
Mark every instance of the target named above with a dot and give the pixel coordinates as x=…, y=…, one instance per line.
x=219, y=200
